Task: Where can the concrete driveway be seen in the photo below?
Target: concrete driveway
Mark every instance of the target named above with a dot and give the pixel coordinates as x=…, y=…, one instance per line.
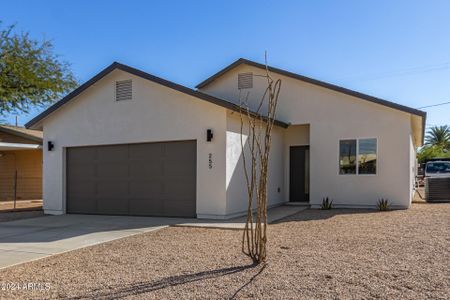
x=29, y=239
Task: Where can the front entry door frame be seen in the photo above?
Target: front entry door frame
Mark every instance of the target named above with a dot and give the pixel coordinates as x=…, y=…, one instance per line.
x=299, y=173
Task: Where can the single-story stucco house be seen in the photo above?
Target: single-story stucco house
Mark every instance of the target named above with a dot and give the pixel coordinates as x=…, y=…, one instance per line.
x=129, y=143
x=20, y=163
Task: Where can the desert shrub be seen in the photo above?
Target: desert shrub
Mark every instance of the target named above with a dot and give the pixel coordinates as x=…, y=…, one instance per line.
x=327, y=203
x=383, y=204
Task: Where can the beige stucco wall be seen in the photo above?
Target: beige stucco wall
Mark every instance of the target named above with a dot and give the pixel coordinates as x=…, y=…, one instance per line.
x=237, y=199
x=156, y=113
x=333, y=116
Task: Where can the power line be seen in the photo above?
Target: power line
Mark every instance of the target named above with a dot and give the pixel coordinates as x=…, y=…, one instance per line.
x=438, y=104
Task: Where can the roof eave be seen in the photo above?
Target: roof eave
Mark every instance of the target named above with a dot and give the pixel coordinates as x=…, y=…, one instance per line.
x=424, y=119
x=221, y=102
x=71, y=95
x=18, y=146
x=20, y=134
x=315, y=82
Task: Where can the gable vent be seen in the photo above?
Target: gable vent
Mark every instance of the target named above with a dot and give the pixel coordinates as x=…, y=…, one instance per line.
x=245, y=80
x=124, y=90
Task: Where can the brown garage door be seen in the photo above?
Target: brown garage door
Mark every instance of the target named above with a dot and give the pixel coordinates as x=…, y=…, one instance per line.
x=153, y=179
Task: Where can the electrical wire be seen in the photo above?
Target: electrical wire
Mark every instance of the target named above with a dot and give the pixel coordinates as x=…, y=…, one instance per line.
x=433, y=105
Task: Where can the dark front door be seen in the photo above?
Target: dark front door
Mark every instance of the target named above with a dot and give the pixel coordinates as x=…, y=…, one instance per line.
x=152, y=179
x=299, y=174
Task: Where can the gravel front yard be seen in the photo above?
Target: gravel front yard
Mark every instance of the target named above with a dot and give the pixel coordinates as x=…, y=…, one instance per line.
x=313, y=255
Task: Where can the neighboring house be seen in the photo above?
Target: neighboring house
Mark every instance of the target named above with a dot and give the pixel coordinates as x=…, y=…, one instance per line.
x=127, y=142
x=20, y=151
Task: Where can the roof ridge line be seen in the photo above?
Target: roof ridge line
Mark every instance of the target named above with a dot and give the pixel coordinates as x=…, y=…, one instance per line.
x=116, y=65
x=317, y=82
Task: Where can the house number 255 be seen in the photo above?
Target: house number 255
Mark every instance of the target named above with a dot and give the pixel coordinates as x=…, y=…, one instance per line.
x=210, y=161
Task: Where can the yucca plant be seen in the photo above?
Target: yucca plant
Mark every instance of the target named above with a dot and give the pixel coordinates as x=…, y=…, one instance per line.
x=383, y=204
x=327, y=203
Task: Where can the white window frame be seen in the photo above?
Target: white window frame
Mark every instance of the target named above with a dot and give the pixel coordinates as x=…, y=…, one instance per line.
x=357, y=156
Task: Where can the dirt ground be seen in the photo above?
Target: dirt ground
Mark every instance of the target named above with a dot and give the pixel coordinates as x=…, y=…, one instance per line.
x=419, y=195
x=21, y=205
x=335, y=254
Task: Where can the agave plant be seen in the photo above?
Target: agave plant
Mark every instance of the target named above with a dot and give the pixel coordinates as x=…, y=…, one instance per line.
x=383, y=204
x=326, y=203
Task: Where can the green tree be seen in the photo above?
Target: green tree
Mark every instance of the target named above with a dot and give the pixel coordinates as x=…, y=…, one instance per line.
x=438, y=136
x=432, y=151
x=30, y=73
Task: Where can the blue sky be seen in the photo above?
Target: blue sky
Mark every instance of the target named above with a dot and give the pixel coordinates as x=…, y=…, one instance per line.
x=396, y=50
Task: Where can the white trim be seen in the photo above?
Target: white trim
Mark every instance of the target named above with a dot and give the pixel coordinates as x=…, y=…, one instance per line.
x=64, y=176
x=17, y=146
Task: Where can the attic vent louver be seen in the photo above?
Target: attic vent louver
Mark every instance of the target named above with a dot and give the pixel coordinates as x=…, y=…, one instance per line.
x=124, y=90
x=245, y=80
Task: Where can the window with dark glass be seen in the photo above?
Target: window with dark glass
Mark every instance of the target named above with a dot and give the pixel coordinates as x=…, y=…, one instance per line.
x=347, y=157
x=358, y=156
x=367, y=156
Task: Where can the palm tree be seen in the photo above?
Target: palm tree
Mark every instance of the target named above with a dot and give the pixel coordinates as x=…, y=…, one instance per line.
x=438, y=136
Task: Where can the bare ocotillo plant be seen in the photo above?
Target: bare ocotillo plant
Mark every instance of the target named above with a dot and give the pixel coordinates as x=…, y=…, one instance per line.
x=257, y=125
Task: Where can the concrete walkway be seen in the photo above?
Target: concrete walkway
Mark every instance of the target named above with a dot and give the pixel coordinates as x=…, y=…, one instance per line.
x=30, y=239
x=274, y=214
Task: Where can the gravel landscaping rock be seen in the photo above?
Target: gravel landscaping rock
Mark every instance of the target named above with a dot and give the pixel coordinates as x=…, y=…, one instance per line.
x=335, y=254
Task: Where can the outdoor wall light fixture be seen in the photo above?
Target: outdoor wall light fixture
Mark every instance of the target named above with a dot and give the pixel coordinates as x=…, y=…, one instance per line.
x=50, y=145
x=209, y=135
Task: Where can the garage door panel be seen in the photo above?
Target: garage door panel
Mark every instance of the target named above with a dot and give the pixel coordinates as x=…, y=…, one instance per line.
x=178, y=168
x=112, y=188
x=146, y=206
x=178, y=209
x=112, y=169
x=143, y=189
x=115, y=206
x=81, y=154
x=155, y=179
x=81, y=170
x=179, y=190
x=179, y=150
x=146, y=169
x=112, y=153
x=82, y=188
x=81, y=204
x=182, y=202
x=146, y=151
